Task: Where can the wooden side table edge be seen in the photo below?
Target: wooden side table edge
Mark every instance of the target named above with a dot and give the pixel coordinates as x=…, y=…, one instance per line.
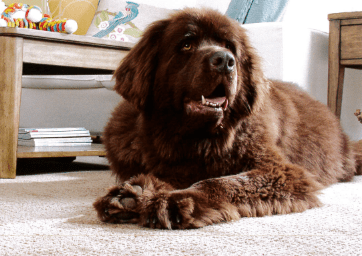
x=345, y=15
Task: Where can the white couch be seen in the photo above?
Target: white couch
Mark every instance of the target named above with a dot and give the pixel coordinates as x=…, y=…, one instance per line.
x=290, y=49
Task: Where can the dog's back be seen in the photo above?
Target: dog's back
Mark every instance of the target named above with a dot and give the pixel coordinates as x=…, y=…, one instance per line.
x=309, y=134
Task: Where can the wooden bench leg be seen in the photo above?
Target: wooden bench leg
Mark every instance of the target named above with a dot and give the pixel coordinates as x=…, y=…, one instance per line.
x=11, y=68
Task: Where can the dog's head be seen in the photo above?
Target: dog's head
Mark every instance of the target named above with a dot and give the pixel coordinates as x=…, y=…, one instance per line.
x=198, y=66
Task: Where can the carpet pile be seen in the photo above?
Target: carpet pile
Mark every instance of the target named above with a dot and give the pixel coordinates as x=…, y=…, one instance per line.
x=50, y=213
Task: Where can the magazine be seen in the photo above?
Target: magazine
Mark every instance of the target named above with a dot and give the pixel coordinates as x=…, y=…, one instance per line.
x=54, y=137
x=56, y=141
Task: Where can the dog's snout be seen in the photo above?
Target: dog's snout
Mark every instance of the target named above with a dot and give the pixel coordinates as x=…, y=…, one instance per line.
x=222, y=61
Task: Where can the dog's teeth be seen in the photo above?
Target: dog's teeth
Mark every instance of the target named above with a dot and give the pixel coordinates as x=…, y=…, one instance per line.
x=212, y=104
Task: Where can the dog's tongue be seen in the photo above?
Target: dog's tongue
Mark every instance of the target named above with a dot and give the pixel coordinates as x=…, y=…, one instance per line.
x=219, y=100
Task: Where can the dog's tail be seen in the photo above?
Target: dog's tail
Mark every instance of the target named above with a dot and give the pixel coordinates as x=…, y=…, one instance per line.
x=357, y=148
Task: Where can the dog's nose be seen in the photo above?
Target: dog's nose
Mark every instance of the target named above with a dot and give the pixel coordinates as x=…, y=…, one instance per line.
x=222, y=61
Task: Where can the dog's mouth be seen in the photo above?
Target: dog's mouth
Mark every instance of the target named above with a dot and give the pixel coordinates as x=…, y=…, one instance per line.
x=217, y=99
x=215, y=103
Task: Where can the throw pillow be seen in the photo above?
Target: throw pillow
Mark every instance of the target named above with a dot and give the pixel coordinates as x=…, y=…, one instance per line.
x=124, y=20
x=255, y=11
x=80, y=11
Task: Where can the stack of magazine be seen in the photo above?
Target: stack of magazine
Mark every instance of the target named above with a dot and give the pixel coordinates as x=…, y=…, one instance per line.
x=54, y=137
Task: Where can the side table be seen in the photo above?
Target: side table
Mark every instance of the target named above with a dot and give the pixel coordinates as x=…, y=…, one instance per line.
x=345, y=51
x=21, y=47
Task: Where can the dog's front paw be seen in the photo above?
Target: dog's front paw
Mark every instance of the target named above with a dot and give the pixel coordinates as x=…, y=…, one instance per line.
x=119, y=205
x=174, y=210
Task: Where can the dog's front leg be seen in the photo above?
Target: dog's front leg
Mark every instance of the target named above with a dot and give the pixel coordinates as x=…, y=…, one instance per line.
x=123, y=204
x=279, y=189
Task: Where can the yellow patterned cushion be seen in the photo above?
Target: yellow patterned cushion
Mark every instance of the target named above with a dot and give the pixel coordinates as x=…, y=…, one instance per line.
x=81, y=11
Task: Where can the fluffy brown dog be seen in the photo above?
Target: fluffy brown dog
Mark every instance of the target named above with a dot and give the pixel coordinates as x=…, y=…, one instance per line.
x=204, y=138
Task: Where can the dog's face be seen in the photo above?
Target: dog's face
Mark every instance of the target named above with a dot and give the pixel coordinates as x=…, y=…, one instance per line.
x=197, y=66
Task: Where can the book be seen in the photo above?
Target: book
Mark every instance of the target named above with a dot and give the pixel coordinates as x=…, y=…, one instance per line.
x=30, y=135
x=77, y=136
x=54, y=144
x=80, y=141
x=69, y=129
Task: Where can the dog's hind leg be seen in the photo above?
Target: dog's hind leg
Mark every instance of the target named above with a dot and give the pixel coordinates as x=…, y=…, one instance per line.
x=357, y=149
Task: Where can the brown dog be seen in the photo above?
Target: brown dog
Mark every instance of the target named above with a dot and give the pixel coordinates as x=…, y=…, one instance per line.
x=204, y=138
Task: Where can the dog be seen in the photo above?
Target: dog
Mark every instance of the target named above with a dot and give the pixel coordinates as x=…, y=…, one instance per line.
x=202, y=137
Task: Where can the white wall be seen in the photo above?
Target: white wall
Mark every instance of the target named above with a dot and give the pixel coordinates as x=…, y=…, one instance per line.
x=220, y=5
x=314, y=13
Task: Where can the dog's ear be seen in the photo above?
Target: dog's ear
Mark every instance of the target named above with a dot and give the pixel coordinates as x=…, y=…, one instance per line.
x=135, y=76
x=255, y=84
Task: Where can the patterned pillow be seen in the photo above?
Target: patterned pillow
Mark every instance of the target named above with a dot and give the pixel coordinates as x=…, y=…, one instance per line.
x=80, y=11
x=124, y=20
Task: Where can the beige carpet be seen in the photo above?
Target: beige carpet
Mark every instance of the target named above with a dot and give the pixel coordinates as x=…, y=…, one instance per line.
x=51, y=214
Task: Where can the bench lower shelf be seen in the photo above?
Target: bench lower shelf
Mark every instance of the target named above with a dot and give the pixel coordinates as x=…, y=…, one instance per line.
x=39, y=152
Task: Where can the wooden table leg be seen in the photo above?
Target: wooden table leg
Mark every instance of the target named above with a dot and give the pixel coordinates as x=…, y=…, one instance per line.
x=11, y=68
x=335, y=90
x=335, y=69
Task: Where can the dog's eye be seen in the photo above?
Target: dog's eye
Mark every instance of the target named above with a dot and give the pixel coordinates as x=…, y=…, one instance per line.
x=229, y=46
x=187, y=46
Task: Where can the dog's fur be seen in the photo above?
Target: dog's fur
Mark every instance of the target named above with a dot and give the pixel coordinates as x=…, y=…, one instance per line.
x=265, y=148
